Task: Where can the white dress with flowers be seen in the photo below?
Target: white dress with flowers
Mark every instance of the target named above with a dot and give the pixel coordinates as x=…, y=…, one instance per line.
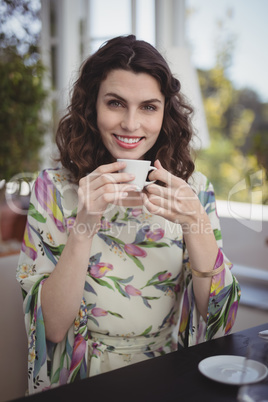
x=138, y=298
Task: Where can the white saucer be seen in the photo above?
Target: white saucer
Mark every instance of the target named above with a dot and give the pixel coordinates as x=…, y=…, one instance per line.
x=230, y=369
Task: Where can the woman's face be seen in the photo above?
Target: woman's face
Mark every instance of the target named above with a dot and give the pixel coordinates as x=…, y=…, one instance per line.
x=130, y=110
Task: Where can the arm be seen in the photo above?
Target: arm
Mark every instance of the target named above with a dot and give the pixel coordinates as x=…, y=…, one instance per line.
x=202, y=250
x=46, y=257
x=178, y=203
x=63, y=289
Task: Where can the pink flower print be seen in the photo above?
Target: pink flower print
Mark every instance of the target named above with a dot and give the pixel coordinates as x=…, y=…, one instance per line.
x=231, y=317
x=219, y=259
x=64, y=374
x=177, y=288
x=185, y=313
x=70, y=222
x=218, y=280
x=35, y=313
x=164, y=277
x=155, y=235
x=101, y=269
x=132, y=249
x=105, y=225
x=132, y=291
x=49, y=199
x=136, y=212
x=78, y=351
x=28, y=245
x=99, y=312
x=95, y=351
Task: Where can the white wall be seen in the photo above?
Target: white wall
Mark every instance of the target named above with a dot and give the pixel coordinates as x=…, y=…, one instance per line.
x=13, y=339
x=245, y=242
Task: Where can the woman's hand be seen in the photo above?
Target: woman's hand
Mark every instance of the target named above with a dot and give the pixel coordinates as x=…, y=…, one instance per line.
x=63, y=289
x=96, y=190
x=178, y=203
x=175, y=202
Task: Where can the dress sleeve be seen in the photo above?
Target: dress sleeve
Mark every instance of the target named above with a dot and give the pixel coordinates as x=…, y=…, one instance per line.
x=45, y=235
x=225, y=290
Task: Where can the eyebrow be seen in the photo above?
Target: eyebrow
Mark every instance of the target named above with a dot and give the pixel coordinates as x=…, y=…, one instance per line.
x=115, y=95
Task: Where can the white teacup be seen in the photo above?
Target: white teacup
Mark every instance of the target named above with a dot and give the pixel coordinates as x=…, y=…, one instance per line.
x=141, y=169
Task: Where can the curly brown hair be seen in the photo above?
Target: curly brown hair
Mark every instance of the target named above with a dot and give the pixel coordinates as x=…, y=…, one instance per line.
x=78, y=138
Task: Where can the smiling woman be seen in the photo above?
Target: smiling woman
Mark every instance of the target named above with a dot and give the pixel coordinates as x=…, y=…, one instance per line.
x=130, y=110
x=113, y=274
x=124, y=77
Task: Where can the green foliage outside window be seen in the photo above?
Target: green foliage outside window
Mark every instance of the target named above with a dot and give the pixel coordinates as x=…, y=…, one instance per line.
x=22, y=94
x=21, y=127
x=236, y=161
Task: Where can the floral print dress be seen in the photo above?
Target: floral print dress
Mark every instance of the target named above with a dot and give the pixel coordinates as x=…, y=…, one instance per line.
x=138, y=300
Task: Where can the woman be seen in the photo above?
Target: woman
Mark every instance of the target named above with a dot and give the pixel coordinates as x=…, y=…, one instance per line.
x=112, y=276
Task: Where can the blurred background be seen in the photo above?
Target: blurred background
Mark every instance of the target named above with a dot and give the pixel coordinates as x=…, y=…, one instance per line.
x=218, y=50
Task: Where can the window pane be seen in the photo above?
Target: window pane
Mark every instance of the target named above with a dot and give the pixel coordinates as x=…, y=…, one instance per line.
x=110, y=18
x=146, y=20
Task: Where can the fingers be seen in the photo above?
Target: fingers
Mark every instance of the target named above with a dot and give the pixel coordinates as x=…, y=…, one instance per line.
x=110, y=182
x=104, y=185
x=107, y=178
x=175, y=201
x=110, y=167
x=164, y=176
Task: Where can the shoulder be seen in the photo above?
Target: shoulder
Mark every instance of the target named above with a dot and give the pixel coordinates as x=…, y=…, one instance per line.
x=59, y=177
x=200, y=183
x=202, y=187
x=55, y=185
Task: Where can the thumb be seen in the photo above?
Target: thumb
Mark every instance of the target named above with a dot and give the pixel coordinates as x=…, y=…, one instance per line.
x=157, y=164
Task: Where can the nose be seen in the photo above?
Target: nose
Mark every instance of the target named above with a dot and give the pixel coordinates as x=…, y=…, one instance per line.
x=130, y=121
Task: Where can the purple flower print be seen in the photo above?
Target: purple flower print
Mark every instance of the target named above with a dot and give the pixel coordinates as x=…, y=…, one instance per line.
x=185, y=312
x=136, y=212
x=132, y=249
x=28, y=245
x=70, y=222
x=49, y=198
x=64, y=374
x=164, y=277
x=132, y=291
x=155, y=235
x=78, y=351
x=95, y=351
x=99, y=312
x=231, y=317
x=105, y=225
x=101, y=269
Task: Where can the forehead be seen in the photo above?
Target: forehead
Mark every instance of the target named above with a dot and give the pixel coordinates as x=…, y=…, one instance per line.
x=127, y=82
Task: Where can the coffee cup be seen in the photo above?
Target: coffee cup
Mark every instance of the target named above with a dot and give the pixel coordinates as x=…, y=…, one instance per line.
x=140, y=168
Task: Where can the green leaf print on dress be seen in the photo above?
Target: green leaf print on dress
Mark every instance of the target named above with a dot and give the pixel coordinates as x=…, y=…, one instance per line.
x=99, y=269
x=145, y=238
x=94, y=312
x=162, y=281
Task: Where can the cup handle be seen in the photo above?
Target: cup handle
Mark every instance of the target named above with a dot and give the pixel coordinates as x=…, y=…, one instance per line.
x=150, y=182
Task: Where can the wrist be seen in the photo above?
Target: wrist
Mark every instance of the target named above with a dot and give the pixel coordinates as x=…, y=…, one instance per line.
x=83, y=232
x=197, y=225
x=86, y=225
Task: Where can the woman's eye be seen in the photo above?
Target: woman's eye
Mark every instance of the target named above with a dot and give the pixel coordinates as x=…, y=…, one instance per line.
x=150, y=108
x=114, y=103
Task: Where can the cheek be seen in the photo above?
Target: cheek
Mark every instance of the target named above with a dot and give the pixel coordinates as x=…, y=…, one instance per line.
x=106, y=121
x=154, y=126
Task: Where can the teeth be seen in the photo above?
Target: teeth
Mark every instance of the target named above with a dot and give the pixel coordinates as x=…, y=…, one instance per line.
x=128, y=140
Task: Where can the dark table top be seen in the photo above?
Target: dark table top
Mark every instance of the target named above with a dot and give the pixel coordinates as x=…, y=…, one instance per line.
x=173, y=377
